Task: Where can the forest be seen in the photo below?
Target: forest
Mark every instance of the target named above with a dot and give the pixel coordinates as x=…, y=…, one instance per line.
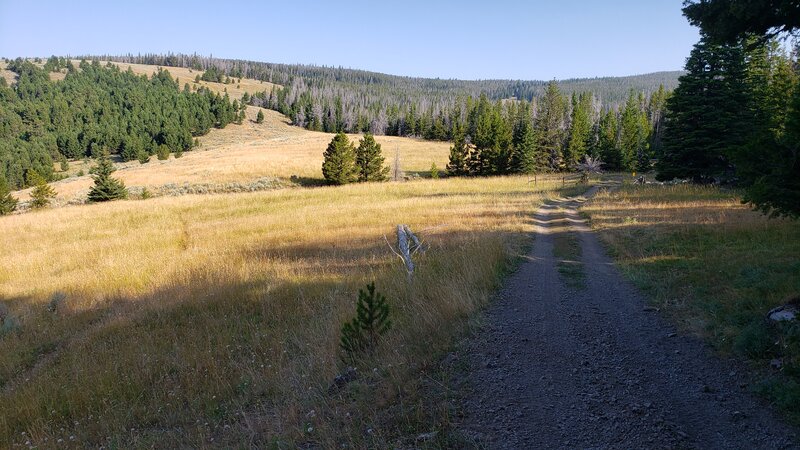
x=97, y=108
x=354, y=101
x=734, y=119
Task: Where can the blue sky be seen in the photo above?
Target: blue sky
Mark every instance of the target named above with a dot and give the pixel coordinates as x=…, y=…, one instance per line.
x=447, y=39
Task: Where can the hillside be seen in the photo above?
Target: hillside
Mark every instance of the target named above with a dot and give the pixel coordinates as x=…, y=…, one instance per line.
x=246, y=157
x=243, y=157
x=398, y=87
x=332, y=99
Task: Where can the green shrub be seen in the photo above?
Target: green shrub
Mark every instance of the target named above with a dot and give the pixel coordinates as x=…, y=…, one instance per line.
x=755, y=340
x=163, y=152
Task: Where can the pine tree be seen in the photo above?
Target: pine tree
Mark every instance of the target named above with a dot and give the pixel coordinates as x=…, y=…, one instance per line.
x=707, y=115
x=42, y=193
x=105, y=187
x=580, y=130
x=371, y=321
x=655, y=115
x=634, y=136
x=458, y=165
x=7, y=202
x=550, y=126
x=608, y=142
x=768, y=165
x=525, y=158
x=339, y=166
x=369, y=160
x=260, y=116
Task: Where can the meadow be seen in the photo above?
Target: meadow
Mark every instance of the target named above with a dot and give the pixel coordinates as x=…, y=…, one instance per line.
x=716, y=268
x=239, y=158
x=250, y=156
x=214, y=319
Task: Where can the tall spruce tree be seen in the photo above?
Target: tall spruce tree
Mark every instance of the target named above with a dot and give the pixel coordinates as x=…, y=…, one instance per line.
x=580, y=129
x=655, y=116
x=106, y=188
x=339, y=166
x=526, y=158
x=634, y=136
x=707, y=115
x=369, y=160
x=458, y=164
x=550, y=126
x=7, y=202
x=608, y=141
x=768, y=164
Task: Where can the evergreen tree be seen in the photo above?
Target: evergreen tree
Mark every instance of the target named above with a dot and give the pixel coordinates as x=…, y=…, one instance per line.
x=706, y=115
x=580, y=130
x=260, y=116
x=726, y=21
x=105, y=187
x=550, y=126
x=42, y=193
x=339, y=166
x=369, y=160
x=7, y=202
x=634, y=135
x=526, y=159
x=768, y=165
x=608, y=142
x=458, y=165
x=371, y=321
x=655, y=115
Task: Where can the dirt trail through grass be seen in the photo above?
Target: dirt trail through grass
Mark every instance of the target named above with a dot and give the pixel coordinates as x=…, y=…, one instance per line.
x=576, y=359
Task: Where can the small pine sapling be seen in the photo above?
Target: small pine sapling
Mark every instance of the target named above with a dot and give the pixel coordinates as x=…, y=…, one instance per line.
x=434, y=171
x=371, y=321
x=42, y=193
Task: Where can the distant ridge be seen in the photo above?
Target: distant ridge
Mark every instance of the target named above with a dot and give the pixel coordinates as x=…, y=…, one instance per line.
x=611, y=90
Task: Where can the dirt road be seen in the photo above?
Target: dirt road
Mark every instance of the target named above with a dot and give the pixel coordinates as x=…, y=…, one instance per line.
x=592, y=366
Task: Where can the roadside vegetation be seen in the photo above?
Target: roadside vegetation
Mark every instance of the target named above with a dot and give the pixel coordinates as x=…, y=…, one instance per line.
x=716, y=268
x=217, y=319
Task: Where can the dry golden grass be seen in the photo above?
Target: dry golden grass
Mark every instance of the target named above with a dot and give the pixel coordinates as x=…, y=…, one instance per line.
x=247, y=153
x=202, y=320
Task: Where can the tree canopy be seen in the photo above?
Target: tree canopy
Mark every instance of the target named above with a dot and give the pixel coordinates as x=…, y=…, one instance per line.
x=96, y=107
x=727, y=21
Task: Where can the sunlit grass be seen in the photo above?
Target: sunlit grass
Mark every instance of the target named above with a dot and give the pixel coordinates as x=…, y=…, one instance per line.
x=215, y=319
x=712, y=264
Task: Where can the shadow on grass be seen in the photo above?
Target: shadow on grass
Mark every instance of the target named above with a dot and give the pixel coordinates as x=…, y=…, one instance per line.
x=308, y=181
x=241, y=359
